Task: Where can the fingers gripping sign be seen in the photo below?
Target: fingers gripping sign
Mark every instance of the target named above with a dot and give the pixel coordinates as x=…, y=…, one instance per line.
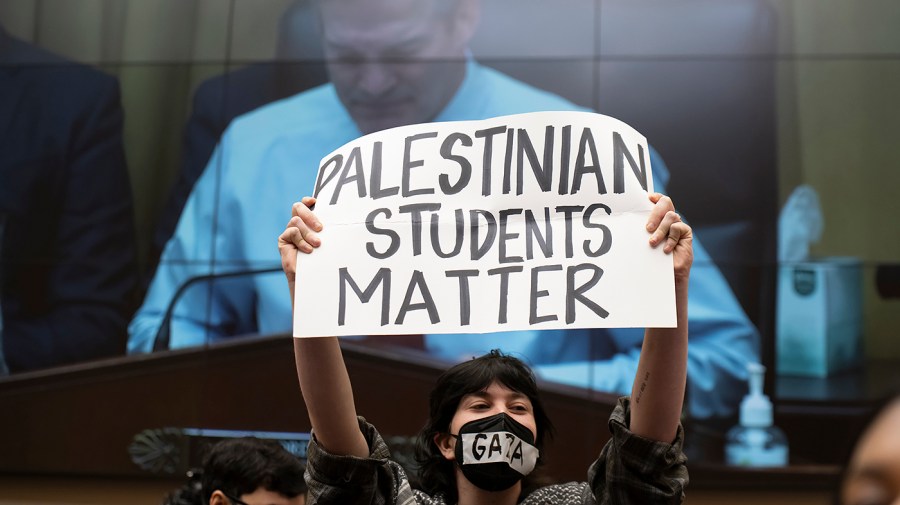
x=666, y=227
x=301, y=234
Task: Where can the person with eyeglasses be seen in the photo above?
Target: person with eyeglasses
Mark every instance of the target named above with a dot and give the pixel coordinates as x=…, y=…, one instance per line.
x=244, y=471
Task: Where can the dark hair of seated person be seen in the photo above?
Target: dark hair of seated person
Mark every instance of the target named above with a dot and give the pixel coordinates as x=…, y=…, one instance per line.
x=240, y=466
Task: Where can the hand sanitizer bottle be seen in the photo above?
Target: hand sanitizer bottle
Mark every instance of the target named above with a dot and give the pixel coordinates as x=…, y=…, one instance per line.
x=755, y=442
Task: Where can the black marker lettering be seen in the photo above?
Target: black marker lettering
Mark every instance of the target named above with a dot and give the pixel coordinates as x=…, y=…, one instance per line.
x=533, y=317
x=465, y=302
x=321, y=181
x=477, y=449
x=620, y=154
x=581, y=169
x=533, y=233
x=568, y=210
x=417, y=282
x=574, y=294
x=543, y=174
x=504, y=272
x=488, y=136
x=436, y=234
x=507, y=162
x=495, y=446
x=564, y=159
x=382, y=277
x=409, y=164
x=374, y=230
x=606, y=244
x=355, y=160
x=504, y=236
x=416, y=210
x=375, y=176
x=465, y=167
x=480, y=249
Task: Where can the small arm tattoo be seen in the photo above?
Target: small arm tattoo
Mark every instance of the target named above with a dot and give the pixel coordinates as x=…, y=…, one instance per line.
x=642, y=388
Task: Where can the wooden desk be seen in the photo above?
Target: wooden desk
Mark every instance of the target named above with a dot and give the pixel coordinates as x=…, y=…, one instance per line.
x=823, y=417
x=76, y=422
x=81, y=419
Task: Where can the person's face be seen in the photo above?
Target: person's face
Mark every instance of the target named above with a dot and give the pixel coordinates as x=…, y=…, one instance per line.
x=394, y=62
x=260, y=496
x=873, y=475
x=492, y=401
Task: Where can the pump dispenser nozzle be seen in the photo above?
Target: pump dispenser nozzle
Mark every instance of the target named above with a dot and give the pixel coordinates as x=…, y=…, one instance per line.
x=755, y=442
x=756, y=408
x=757, y=374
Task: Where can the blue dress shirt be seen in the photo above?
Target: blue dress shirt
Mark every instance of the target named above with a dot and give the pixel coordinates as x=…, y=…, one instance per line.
x=268, y=159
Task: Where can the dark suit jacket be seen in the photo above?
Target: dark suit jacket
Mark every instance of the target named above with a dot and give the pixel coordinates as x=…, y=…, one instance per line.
x=68, y=270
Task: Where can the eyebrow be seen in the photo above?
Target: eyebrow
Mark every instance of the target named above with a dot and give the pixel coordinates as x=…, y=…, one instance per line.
x=484, y=395
x=869, y=472
x=410, y=41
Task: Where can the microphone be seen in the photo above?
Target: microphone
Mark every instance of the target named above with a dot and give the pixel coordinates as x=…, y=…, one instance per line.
x=161, y=340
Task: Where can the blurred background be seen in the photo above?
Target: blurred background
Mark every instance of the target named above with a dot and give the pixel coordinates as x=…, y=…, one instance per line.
x=744, y=100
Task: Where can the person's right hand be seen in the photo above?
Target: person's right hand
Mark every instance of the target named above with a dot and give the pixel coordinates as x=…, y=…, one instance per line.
x=667, y=228
x=299, y=235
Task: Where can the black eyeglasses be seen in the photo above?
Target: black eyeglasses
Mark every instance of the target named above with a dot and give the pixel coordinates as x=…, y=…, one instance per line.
x=234, y=501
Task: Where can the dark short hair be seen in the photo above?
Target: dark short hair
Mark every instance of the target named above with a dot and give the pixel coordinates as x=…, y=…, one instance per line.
x=436, y=472
x=443, y=8
x=240, y=466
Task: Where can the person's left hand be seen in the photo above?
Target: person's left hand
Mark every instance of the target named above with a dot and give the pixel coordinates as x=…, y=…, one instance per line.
x=667, y=228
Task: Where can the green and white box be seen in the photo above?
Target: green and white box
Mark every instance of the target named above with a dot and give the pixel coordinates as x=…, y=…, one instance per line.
x=819, y=316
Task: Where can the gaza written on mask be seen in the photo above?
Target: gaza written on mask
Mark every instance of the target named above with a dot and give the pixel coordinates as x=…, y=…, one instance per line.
x=495, y=452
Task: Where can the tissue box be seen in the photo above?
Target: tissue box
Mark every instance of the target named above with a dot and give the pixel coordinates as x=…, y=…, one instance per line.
x=819, y=317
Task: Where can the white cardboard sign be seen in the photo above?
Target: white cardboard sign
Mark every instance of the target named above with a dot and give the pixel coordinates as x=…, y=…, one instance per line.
x=526, y=221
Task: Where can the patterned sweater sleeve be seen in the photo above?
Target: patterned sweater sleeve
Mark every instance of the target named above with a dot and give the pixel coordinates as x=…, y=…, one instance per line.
x=376, y=480
x=633, y=469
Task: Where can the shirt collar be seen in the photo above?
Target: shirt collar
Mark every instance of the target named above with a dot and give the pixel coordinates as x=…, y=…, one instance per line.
x=460, y=107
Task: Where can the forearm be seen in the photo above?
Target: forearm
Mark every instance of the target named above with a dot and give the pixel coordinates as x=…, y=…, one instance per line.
x=326, y=389
x=658, y=392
